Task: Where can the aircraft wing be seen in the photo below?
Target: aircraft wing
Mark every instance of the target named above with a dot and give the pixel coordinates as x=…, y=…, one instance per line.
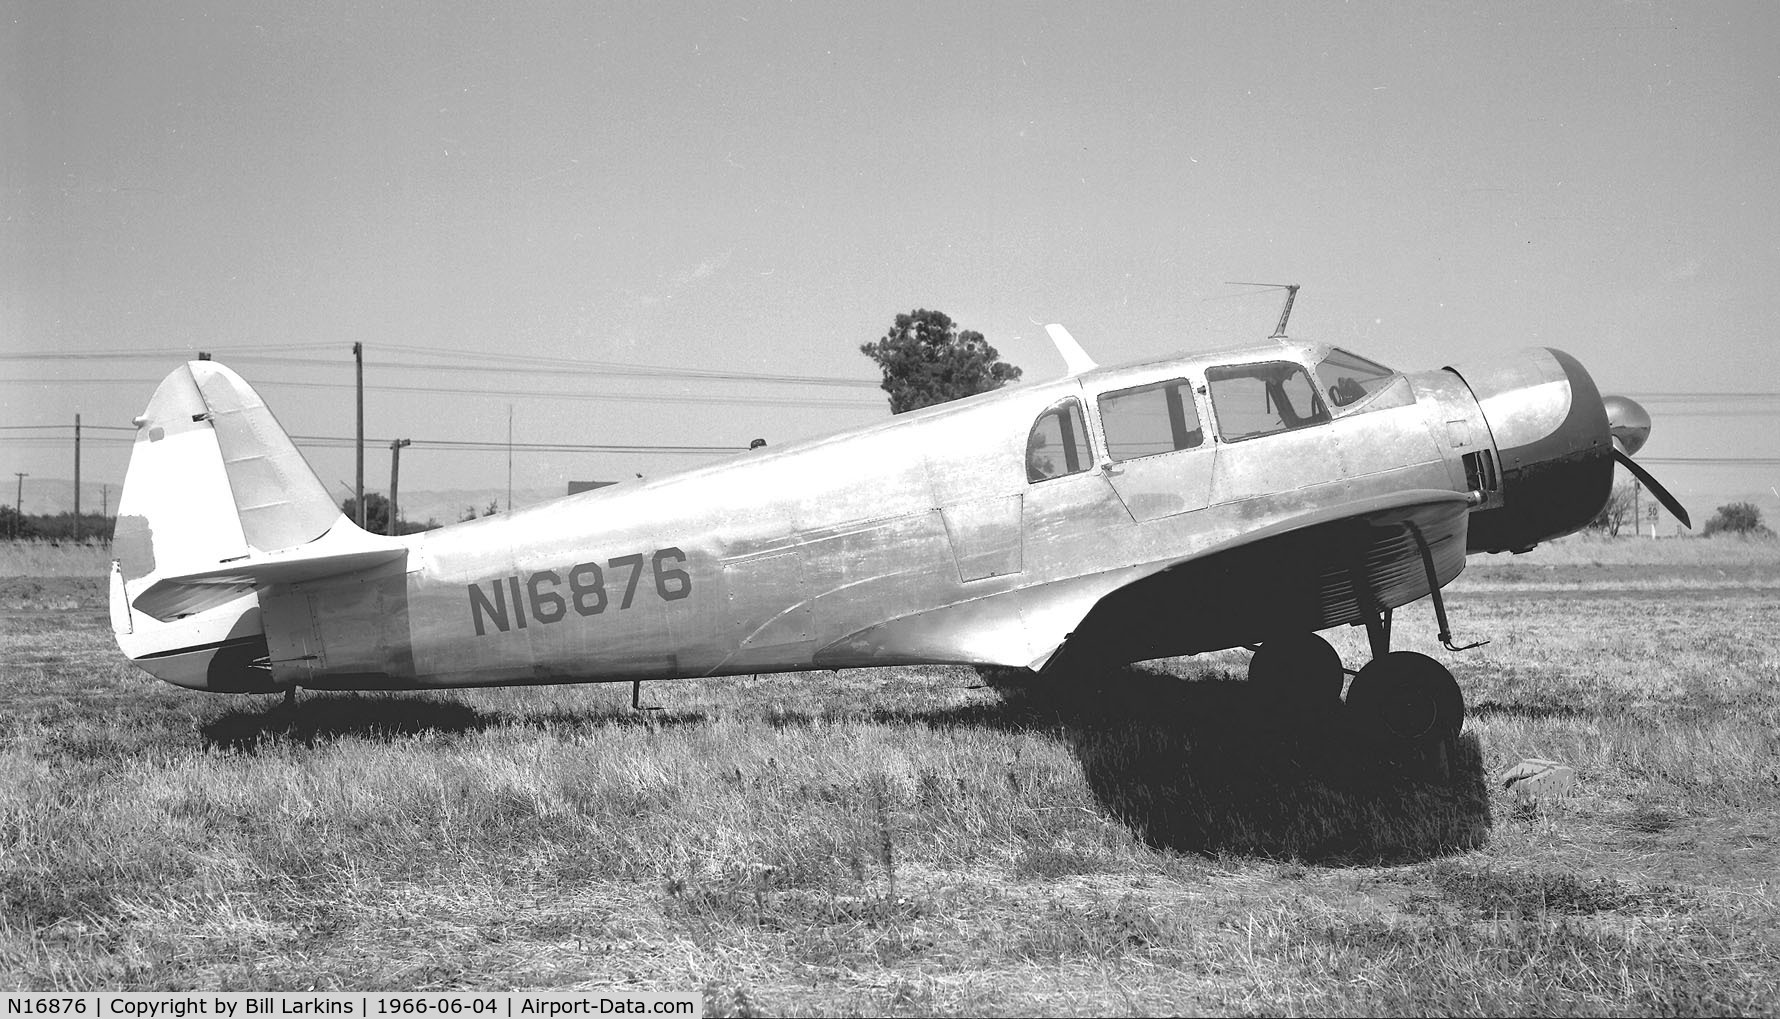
x=1328, y=567
x=1306, y=571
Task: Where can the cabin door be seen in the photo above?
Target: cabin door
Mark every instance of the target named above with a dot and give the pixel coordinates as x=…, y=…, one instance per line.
x=1158, y=457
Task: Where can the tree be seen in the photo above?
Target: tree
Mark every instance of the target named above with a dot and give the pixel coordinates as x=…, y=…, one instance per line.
x=1614, y=515
x=376, y=511
x=14, y=524
x=377, y=515
x=926, y=360
x=60, y=526
x=1742, y=518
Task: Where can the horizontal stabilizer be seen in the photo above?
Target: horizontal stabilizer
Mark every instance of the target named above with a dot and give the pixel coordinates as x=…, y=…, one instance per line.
x=182, y=594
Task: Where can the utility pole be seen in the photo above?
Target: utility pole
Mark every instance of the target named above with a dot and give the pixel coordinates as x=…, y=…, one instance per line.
x=358, y=358
x=18, y=505
x=77, y=477
x=395, y=474
x=1637, y=525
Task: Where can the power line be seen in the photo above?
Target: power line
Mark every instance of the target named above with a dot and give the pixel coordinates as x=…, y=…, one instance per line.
x=1702, y=395
x=1713, y=461
x=533, y=367
x=622, y=397
x=508, y=363
x=522, y=363
x=111, y=428
x=183, y=353
x=472, y=445
x=768, y=401
x=448, y=445
x=483, y=364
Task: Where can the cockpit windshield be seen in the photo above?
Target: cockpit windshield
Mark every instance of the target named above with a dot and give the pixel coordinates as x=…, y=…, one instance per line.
x=1350, y=378
x=1251, y=400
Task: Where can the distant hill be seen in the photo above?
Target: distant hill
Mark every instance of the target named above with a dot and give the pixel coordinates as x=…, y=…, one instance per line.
x=56, y=495
x=448, y=506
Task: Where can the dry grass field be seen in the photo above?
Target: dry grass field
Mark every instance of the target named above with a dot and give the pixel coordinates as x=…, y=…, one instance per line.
x=908, y=841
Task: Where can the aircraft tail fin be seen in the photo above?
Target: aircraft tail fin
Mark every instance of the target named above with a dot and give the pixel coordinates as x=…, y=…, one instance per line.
x=215, y=490
x=1074, y=357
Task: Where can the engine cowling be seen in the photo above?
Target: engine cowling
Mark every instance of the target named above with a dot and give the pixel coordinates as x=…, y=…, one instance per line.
x=1553, y=447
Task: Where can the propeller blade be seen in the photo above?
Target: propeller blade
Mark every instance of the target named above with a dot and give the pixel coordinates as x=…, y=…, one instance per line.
x=1669, y=502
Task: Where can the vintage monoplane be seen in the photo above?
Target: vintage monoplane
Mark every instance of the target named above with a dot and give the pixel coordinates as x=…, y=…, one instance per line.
x=1237, y=498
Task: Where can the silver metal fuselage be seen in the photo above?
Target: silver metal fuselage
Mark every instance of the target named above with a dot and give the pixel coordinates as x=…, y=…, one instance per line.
x=948, y=535
x=917, y=540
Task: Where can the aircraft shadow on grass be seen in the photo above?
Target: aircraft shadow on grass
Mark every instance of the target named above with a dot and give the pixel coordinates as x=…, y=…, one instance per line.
x=324, y=718
x=1199, y=766
x=1203, y=766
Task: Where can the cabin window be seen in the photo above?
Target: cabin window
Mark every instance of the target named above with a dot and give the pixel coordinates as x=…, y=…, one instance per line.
x=1058, y=443
x=1252, y=400
x=1157, y=418
x=1350, y=378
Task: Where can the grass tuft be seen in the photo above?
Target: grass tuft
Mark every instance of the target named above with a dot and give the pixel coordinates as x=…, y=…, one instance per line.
x=1539, y=894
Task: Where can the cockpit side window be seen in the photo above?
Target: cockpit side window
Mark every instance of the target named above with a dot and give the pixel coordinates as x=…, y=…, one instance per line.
x=1157, y=418
x=1058, y=443
x=1252, y=400
x=1350, y=378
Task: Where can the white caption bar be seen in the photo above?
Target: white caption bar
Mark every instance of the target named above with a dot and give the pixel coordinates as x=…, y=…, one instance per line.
x=381, y=1005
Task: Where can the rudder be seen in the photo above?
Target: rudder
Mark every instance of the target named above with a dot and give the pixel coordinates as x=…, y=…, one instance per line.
x=213, y=479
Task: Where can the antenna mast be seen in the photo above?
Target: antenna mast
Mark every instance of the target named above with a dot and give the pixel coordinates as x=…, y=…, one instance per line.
x=1285, y=313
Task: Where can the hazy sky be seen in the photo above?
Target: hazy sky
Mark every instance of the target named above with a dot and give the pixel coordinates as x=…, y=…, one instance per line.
x=762, y=187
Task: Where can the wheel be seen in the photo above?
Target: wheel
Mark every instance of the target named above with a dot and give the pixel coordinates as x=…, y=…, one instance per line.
x=1407, y=696
x=1297, y=671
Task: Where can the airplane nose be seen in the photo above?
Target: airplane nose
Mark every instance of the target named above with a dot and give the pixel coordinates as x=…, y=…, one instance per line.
x=1629, y=422
x=1630, y=425
x=1553, y=445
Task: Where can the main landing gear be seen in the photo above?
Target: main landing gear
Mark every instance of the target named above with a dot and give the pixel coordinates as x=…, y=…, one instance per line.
x=1399, y=695
x=1298, y=674
x=1400, y=700
x=1403, y=700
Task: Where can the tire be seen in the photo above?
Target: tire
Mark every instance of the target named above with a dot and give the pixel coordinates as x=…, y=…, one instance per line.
x=1297, y=672
x=1407, y=696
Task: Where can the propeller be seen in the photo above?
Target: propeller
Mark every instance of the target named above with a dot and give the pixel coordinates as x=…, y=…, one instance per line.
x=1629, y=424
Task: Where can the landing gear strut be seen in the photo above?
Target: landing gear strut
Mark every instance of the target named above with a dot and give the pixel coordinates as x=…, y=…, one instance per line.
x=1405, y=697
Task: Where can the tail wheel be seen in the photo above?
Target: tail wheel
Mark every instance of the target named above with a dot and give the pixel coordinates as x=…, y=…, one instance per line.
x=1299, y=670
x=1405, y=695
